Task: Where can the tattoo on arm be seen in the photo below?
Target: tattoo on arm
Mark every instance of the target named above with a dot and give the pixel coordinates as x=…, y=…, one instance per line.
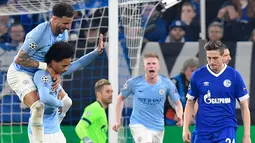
x=25, y=60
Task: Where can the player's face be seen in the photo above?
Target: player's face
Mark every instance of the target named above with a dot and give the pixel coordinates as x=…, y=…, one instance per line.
x=106, y=94
x=215, y=60
x=62, y=66
x=63, y=23
x=226, y=56
x=151, y=66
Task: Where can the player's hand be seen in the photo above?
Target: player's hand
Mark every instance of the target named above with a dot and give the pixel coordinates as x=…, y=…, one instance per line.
x=179, y=122
x=57, y=80
x=116, y=127
x=100, y=47
x=186, y=136
x=246, y=139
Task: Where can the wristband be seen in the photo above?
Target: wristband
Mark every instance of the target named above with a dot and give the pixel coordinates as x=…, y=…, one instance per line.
x=42, y=66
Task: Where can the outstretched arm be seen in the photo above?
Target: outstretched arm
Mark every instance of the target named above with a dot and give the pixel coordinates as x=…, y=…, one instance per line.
x=86, y=59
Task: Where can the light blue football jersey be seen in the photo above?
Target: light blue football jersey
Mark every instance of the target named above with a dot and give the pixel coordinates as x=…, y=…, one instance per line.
x=216, y=94
x=37, y=44
x=49, y=97
x=148, y=100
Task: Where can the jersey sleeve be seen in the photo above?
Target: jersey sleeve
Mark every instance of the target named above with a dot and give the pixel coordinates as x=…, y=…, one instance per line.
x=30, y=45
x=81, y=62
x=42, y=82
x=172, y=91
x=193, y=89
x=127, y=88
x=242, y=92
x=90, y=115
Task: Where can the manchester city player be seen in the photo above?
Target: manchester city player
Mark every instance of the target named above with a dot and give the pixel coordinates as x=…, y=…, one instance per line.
x=30, y=58
x=216, y=86
x=149, y=94
x=58, y=60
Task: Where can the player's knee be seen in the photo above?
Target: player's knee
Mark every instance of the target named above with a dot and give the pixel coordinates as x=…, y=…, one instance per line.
x=37, y=109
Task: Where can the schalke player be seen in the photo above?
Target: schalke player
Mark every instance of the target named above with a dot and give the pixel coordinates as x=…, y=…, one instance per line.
x=216, y=86
x=93, y=126
x=58, y=60
x=149, y=94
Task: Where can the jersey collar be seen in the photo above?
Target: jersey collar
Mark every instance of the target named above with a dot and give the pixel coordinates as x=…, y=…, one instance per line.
x=216, y=74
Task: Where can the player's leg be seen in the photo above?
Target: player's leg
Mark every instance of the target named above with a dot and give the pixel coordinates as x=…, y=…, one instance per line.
x=227, y=135
x=140, y=134
x=157, y=136
x=22, y=83
x=67, y=103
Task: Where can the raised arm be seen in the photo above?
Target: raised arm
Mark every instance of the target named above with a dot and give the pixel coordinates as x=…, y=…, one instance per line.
x=86, y=59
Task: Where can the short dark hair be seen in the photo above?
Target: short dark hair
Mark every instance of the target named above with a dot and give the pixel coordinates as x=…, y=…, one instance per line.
x=59, y=51
x=63, y=9
x=100, y=84
x=215, y=45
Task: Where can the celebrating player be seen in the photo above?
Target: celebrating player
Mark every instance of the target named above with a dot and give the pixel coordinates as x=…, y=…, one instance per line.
x=30, y=58
x=58, y=60
x=150, y=92
x=216, y=86
x=93, y=126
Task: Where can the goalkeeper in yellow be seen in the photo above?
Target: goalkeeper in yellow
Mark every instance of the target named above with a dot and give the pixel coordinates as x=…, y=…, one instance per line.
x=93, y=126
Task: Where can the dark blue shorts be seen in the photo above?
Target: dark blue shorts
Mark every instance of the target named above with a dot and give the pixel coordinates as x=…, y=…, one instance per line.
x=227, y=135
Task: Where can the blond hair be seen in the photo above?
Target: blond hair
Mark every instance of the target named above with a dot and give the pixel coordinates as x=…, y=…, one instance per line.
x=100, y=84
x=150, y=55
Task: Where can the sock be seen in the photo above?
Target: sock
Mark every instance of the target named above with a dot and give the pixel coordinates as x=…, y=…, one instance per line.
x=37, y=110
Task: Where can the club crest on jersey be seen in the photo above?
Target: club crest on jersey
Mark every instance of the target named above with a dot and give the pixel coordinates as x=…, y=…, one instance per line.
x=227, y=83
x=45, y=79
x=88, y=113
x=25, y=82
x=162, y=91
x=32, y=46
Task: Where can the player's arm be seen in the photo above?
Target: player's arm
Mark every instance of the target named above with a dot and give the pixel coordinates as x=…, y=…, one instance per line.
x=189, y=108
x=86, y=59
x=29, y=47
x=246, y=117
x=175, y=98
x=119, y=108
x=81, y=62
x=243, y=96
x=125, y=92
x=89, y=117
x=42, y=82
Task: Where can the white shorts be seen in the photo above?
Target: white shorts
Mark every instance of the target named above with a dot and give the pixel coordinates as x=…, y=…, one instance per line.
x=143, y=135
x=50, y=138
x=21, y=82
